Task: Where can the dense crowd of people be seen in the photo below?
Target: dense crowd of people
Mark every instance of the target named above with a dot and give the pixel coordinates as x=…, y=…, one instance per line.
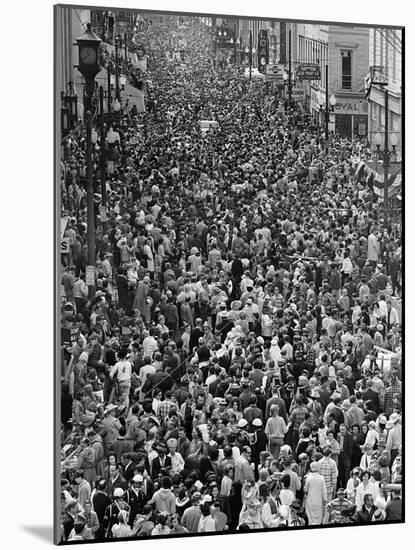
x=238, y=366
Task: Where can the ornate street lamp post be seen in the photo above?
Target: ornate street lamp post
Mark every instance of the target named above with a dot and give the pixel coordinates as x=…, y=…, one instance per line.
x=89, y=67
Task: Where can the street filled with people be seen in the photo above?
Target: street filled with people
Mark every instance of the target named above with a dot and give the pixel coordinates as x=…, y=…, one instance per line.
x=238, y=366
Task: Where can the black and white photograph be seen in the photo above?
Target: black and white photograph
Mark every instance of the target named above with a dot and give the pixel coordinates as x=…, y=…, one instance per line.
x=229, y=273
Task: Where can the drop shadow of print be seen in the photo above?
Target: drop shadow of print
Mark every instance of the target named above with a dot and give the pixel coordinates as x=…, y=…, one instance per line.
x=44, y=533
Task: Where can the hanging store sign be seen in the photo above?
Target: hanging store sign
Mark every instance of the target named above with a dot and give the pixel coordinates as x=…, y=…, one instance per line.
x=274, y=72
x=298, y=94
x=308, y=71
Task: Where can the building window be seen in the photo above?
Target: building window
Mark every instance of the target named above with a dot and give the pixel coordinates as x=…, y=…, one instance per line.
x=346, y=57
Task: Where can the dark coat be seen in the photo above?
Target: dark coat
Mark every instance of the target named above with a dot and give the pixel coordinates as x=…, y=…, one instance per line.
x=365, y=516
x=347, y=447
x=156, y=466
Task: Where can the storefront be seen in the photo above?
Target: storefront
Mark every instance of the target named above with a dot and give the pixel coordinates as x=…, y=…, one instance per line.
x=377, y=113
x=351, y=116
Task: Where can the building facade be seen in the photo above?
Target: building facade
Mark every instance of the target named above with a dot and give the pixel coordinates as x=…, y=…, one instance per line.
x=348, y=60
x=385, y=51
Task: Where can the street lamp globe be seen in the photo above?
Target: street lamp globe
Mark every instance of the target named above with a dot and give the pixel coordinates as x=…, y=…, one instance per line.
x=247, y=50
x=123, y=80
x=116, y=105
x=285, y=76
x=253, y=50
x=394, y=140
x=94, y=136
x=332, y=100
x=378, y=139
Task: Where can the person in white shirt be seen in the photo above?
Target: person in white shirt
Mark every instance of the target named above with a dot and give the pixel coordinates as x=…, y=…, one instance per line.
x=365, y=487
x=347, y=267
x=177, y=461
x=146, y=371
x=149, y=343
x=106, y=266
x=372, y=436
x=122, y=370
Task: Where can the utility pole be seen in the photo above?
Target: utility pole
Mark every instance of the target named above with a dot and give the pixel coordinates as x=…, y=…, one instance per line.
x=102, y=159
x=117, y=86
x=327, y=112
x=109, y=91
x=90, y=201
x=289, y=71
x=250, y=55
x=386, y=158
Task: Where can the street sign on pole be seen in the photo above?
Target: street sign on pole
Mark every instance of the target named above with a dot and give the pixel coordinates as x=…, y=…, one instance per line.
x=90, y=275
x=308, y=71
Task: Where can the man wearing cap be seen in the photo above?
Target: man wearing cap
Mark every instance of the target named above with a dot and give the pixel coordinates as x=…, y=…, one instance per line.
x=135, y=497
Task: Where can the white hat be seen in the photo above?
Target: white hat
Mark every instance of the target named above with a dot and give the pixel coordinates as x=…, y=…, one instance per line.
x=83, y=356
x=138, y=478
x=118, y=492
x=257, y=422
x=394, y=417
x=110, y=408
x=242, y=423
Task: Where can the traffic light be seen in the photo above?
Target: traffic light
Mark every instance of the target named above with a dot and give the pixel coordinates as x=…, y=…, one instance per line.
x=263, y=50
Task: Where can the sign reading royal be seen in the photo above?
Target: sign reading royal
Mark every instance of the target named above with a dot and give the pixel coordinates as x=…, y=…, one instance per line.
x=308, y=71
x=351, y=106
